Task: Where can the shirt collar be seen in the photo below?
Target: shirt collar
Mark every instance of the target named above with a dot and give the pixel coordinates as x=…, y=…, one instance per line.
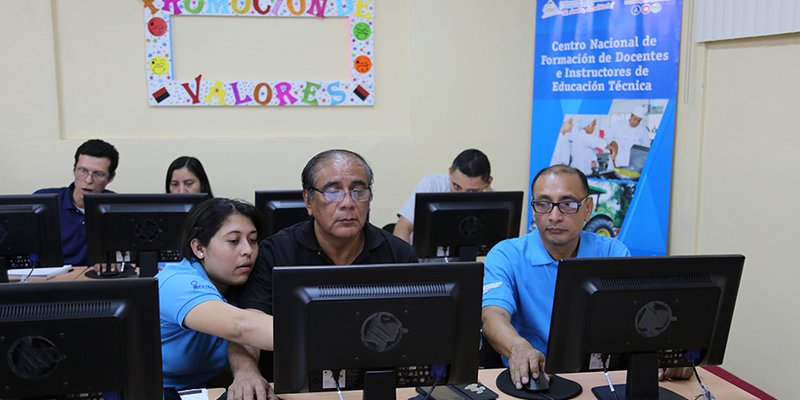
x=66, y=201
x=542, y=257
x=372, y=238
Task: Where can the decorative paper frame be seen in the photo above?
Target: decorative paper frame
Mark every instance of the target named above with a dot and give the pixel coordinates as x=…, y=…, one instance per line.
x=164, y=90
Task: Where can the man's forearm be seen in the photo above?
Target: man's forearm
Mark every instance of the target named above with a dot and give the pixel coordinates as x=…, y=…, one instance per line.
x=403, y=229
x=499, y=332
x=242, y=358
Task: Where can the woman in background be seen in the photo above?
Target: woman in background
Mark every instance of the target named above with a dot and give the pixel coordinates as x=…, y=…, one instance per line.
x=198, y=317
x=187, y=175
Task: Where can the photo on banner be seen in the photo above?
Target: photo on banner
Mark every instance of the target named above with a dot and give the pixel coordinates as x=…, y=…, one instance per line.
x=605, y=82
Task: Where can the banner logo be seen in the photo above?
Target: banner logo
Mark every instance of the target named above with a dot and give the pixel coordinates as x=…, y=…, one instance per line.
x=575, y=7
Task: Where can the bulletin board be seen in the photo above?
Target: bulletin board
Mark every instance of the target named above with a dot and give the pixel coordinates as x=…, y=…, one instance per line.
x=165, y=90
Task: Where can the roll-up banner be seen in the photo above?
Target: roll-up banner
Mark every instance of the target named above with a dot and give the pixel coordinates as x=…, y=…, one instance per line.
x=604, y=97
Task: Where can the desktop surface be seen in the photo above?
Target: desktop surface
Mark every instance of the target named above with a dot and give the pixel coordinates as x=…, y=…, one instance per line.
x=721, y=388
x=75, y=274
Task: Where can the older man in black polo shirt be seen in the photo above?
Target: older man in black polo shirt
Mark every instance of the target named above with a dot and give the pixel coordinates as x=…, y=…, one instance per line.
x=337, y=192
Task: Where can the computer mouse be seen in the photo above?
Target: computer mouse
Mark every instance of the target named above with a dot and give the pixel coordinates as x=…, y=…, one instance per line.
x=538, y=385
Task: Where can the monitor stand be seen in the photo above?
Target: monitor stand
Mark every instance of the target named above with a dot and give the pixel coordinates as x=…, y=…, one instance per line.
x=467, y=253
x=380, y=385
x=127, y=273
x=641, y=382
x=148, y=264
x=3, y=270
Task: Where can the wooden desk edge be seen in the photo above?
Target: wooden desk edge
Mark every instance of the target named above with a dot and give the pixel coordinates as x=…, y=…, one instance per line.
x=689, y=388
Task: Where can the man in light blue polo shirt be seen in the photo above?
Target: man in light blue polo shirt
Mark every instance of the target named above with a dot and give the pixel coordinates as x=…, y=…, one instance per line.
x=520, y=275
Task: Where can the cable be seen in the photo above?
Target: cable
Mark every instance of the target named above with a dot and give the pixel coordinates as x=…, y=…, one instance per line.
x=25, y=279
x=438, y=371
x=693, y=355
x=430, y=392
x=608, y=379
x=705, y=392
x=545, y=396
x=335, y=374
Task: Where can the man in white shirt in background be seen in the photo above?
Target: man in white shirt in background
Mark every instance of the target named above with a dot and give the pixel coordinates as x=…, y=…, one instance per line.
x=470, y=172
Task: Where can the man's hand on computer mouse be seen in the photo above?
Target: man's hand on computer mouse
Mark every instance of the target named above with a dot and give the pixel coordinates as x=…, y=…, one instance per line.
x=250, y=386
x=525, y=361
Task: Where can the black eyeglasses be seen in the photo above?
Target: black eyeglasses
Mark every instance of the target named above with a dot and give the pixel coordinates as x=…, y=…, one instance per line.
x=565, y=207
x=333, y=195
x=96, y=175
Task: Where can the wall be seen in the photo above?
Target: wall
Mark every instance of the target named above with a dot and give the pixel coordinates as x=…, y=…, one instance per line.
x=442, y=86
x=450, y=75
x=734, y=152
x=735, y=191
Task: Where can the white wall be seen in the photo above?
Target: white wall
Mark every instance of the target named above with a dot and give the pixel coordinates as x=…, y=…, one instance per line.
x=449, y=75
x=441, y=86
x=744, y=187
x=735, y=148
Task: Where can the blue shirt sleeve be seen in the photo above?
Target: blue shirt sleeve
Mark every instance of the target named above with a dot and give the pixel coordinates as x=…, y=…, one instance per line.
x=618, y=249
x=610, y=247
x=180, y=293
x=499, y=283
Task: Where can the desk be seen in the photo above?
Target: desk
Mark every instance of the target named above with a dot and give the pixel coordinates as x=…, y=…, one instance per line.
x=721, y=388
x=76, y=274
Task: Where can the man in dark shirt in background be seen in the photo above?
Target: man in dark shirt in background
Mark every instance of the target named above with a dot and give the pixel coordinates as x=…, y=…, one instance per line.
x=95, y=167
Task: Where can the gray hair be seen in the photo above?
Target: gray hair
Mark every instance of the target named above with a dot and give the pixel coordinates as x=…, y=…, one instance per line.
x=311, y=170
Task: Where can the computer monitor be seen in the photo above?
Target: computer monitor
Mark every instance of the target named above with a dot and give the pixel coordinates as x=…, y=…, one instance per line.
x=80, y=337
x=30, y=232
x=281, y=209
x=142, y=228
x=641, y=314
x=384, y=326
x=464, y=224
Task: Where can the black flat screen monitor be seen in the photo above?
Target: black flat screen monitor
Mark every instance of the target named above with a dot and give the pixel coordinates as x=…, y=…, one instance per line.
x=641, y=314
x=80, y=338
x=381, y=326
x=464, y=224
x=30, y=232
x=147, y=227
x=281, y=209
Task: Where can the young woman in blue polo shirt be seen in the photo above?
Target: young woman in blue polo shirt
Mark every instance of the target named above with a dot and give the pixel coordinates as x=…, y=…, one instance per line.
x=220, y=246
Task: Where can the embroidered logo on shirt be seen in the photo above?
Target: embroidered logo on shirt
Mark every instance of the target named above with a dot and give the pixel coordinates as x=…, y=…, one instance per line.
x=490, y=286
x=201, y=286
